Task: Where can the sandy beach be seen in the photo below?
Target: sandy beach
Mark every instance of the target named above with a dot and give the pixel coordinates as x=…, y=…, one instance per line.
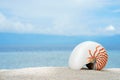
x=59, y=73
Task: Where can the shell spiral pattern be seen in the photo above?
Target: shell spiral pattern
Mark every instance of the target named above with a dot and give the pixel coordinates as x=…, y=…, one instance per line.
x=89, y=53
x=99, y=58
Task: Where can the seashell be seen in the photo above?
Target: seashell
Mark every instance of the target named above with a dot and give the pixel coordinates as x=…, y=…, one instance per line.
x=89, y=53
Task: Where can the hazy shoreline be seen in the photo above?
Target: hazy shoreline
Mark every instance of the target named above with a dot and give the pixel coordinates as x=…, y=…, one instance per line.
x=58, y=73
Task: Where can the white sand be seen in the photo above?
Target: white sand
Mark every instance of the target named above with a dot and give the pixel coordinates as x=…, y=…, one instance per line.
x=59, y=73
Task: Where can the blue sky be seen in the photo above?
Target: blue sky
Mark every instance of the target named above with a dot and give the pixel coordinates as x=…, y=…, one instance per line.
x=60, y=17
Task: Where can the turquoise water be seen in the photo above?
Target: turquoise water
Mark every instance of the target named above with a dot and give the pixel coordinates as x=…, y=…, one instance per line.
x=22, y=59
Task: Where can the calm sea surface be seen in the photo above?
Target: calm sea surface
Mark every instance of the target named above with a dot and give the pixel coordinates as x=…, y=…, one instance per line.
x=22, y=59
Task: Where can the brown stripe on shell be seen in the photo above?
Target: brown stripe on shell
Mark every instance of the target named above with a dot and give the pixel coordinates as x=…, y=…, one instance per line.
x=100, y=56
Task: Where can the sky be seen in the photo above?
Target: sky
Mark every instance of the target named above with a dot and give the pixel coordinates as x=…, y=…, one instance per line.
x=60, y=17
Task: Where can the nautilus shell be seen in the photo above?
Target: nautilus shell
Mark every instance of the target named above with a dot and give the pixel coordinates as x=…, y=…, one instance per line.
x=89, y=53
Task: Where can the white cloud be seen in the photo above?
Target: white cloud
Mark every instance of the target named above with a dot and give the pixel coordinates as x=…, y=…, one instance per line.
x=62, y=25
x=110, y=28
x=2, y=18
x=64, y=17
x=7, y=25
x=49, y=8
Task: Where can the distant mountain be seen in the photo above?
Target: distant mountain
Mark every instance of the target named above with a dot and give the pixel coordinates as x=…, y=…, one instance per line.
x=11, y=40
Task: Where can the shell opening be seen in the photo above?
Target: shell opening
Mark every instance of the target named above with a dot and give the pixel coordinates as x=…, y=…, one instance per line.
x=91, y=64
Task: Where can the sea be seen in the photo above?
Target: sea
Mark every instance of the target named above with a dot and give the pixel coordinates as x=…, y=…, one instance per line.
x=46, y=58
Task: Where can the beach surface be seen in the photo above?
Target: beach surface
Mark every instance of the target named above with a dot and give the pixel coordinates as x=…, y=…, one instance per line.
x=59, y=73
